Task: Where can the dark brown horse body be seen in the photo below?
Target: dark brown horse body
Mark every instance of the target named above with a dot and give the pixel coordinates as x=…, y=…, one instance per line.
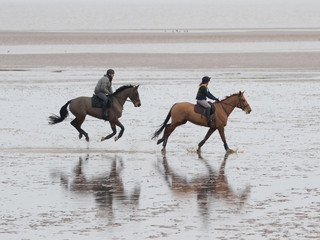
x=82, y=106
x=180, y=113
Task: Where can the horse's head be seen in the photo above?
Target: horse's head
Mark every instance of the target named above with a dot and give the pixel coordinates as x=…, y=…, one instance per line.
x=128, y=91
x=243, y=104
x=134, y=96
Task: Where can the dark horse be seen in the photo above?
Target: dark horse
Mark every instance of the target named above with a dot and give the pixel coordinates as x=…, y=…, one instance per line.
x=82, y=106
x=183, y=112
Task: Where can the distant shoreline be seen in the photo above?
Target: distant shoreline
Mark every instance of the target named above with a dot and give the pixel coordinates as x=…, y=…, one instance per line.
x=94, y=37
x=303, y=59
x=169, y=30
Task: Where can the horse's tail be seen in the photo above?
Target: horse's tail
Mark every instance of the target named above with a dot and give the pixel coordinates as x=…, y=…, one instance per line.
x=53, y=119
x=162, y=126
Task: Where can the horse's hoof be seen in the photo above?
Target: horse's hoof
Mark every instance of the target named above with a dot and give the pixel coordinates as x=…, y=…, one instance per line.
x=80, y=135
x=199, y=150
x=230, y=151
x=116, y=139
x=103, y=138
x=87, y=139
x=160, y=141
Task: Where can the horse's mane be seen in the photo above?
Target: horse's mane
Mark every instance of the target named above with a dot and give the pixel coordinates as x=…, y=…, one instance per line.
x=120, y=89
x=226, y=97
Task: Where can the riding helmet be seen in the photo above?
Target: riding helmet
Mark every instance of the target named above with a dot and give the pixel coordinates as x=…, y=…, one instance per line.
x=110, y=71
x=205, y=79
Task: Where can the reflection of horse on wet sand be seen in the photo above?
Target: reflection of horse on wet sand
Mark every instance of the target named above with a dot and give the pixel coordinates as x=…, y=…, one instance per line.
x=180, y=113
x=213, y=185
x=106, y=189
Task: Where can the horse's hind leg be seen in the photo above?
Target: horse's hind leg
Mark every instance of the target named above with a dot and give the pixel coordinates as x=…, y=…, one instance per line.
x=209, y=133
x=164, y=134
x=167, y=132
x=77, y=122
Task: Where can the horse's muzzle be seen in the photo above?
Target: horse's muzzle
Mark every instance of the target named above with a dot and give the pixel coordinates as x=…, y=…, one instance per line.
x=137, y=104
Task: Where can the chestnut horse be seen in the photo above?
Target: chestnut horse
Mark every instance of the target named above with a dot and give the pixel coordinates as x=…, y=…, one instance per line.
x=183, y=112
x=82, y=106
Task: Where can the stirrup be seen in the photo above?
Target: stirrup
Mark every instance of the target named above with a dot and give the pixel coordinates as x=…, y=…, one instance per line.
x=209, y=121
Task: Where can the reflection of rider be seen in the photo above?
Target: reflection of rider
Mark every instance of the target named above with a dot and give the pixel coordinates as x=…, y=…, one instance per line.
x=103, y=89
x=202, y=94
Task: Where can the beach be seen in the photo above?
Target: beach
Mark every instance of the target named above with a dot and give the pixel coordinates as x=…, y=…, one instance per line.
x=139, y=49
x=55, y=186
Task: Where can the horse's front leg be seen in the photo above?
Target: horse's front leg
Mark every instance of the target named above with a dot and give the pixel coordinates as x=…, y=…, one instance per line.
x=114, y=131
x=209, y=133
x=119, y=124
x=223, y=138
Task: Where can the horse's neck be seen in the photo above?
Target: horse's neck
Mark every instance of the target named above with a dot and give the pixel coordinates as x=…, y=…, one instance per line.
x=122, y=97
x=230, y=104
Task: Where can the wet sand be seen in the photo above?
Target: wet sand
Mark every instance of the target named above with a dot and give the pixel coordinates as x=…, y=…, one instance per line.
x=169, y=36
x=55, y=186
x=271, y=59
x=170, y=61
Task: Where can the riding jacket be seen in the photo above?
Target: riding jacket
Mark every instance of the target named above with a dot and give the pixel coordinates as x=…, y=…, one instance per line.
x=203, y=93
x=104, y=85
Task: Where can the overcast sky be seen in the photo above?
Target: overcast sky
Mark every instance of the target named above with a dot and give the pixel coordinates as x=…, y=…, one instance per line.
x=138, y=14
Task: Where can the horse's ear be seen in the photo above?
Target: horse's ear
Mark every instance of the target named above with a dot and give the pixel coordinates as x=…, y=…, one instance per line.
x=137, y=86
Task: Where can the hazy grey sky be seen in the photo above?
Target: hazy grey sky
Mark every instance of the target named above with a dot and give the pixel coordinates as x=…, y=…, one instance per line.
x=164, y=14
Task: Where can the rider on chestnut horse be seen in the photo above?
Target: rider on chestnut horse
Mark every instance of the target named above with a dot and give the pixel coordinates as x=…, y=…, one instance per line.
x=202, y=94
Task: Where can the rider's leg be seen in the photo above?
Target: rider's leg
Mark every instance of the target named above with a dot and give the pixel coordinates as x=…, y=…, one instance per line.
x=207, y=107
x=104, y=97
x=208, y=110
x=104, y=112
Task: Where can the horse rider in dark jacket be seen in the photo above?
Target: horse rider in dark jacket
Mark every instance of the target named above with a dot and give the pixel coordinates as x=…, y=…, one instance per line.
x=103, y=89
x=202, y=94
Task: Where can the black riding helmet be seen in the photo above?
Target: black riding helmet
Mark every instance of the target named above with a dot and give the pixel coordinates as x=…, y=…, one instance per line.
x=110, y=71
x=205, y=79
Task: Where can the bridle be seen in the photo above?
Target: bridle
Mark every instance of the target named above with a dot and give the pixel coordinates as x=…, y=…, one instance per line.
x=243, y=107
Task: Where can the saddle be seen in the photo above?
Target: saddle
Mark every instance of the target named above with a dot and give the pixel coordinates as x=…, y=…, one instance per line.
x=201, y=110
x=97, y=102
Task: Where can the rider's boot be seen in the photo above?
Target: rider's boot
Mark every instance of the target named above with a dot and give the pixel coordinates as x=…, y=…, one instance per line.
x=104, y=112
x=208, y=116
